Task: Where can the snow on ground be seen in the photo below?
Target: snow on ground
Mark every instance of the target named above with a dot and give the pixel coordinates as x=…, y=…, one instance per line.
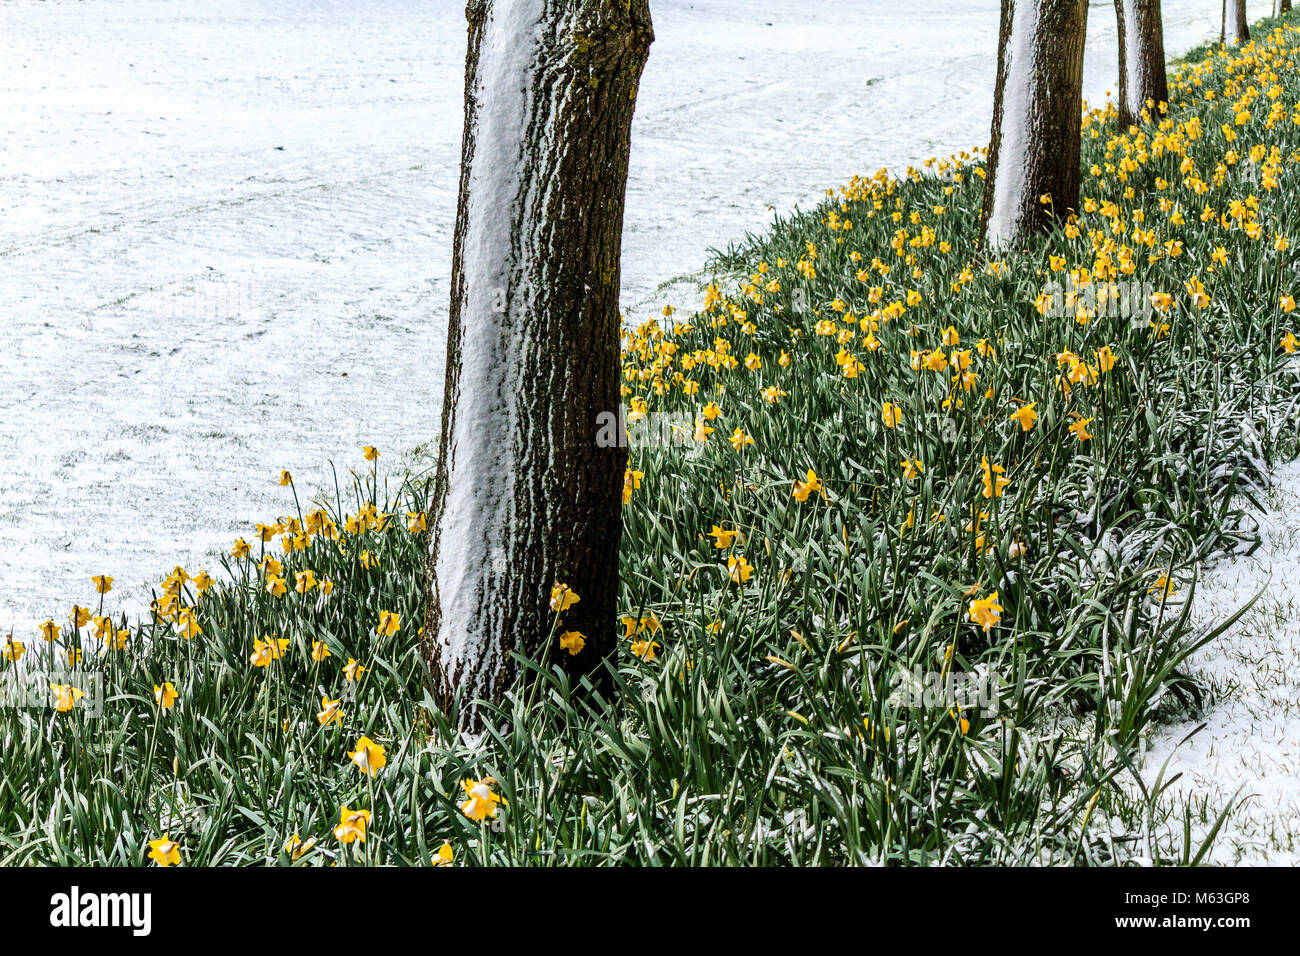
x=1250, y=746
x=225, y=230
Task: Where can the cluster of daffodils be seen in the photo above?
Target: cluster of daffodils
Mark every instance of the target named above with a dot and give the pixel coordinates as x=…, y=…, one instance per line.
x=963, y=384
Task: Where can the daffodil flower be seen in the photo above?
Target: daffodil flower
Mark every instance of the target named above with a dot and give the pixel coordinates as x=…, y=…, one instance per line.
x=482, y=802
x=986, y=611
x=66, y=696
x=573, y=642
x=444, y=856
x=165, y=851
x=331, y=712
x=563, y=597
x=165, y=695
x=369, y=756
x=352, y=825
x=810, y=485
x=389, y=623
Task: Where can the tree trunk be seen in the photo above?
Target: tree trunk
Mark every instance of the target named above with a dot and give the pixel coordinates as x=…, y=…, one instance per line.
x=1141, y=59
x=524, y=497
x=1034, y=143
x=1240, y=29
x=1283, y=6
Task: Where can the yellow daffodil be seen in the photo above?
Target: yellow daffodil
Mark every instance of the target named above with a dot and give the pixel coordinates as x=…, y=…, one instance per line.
x=723, y=539
x=165, y=851
x=573, y=642
x=369, y=756
x=331, y=712
x=644, y=649
x=266, y=651
x=631, y=482
x=482, y=803
x=187, y=624
x=352, y=825
x=1025, y=416
x=994, y=483
x=563, y=597
x=389, y=623
x=986, y=611
x=165, y=695
x=1163, y=585
x=66, y=696
x=297, y=848
x=810, y=485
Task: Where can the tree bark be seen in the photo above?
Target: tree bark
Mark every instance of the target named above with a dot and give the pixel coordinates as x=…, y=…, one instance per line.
x=1037, y=103
x=1283, y=6
x=524, y=497
x=1141, y=59
x=1240, y=29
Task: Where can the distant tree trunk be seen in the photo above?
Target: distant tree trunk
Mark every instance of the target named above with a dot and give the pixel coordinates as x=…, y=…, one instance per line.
x=1240, y=29
x=1283, y=6
x=524, y=497
x=1034, y=143
x=1141, y=58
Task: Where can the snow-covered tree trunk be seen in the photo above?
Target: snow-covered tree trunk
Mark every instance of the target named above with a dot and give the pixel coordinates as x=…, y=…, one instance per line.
x=1034, y=144
x=1240, y=28
x=524, y=497
x=1141, y=58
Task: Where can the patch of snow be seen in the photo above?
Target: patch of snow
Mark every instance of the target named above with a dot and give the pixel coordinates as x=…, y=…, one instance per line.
x=480, y=495
x=1250, y=746
x=1018, y=104
x=1134, y=76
